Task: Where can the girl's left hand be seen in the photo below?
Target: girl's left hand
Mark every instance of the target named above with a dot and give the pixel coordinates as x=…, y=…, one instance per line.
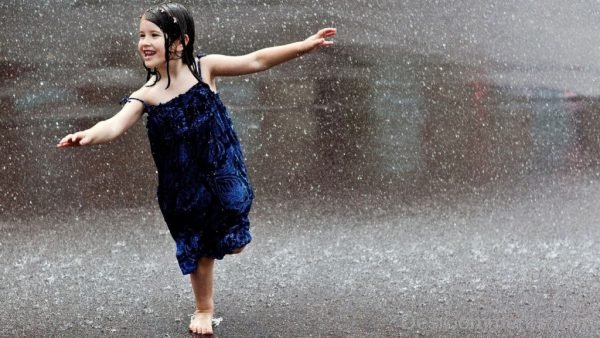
x=318, y=40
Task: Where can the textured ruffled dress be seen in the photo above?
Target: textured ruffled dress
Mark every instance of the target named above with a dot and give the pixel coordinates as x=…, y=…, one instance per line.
x=203, y=188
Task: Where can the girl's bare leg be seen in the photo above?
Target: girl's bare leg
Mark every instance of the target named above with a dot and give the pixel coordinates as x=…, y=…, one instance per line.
x=202, y=284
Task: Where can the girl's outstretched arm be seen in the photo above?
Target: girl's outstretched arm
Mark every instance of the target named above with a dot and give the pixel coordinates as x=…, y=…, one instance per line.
x=263, y=59
x=107, y=130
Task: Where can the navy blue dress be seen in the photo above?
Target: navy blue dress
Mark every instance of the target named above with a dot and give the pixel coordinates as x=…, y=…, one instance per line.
x=203, y=188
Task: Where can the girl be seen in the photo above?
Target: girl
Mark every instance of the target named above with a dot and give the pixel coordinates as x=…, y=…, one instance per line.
x=203, y=190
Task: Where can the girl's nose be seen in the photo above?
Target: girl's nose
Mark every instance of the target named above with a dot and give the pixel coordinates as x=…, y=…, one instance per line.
x=144, y=41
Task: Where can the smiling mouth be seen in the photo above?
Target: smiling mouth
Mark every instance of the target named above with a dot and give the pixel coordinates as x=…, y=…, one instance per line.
x=148, y=53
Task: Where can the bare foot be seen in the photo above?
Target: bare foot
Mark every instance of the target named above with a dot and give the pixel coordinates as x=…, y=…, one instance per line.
x=201, y=323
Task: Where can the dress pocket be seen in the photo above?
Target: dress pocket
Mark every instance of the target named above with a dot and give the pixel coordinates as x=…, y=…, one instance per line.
x=232, y=189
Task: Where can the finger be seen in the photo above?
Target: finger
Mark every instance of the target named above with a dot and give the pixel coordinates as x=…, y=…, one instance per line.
x=70, y=140
x=325, y=32
x=330, y=33
x=84, y=141
x=64, y=144
x=64, y=139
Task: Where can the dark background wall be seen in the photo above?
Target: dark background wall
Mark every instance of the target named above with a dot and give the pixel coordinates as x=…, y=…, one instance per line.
x=415, y=97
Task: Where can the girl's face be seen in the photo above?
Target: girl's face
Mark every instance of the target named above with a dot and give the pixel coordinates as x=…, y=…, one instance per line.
x=151, y=45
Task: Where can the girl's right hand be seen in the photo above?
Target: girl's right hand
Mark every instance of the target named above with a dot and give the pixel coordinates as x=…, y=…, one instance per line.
x=80, y=138
x=319, y=39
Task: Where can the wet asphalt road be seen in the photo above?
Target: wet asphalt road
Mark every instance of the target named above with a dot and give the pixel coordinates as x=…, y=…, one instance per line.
x=521, y=262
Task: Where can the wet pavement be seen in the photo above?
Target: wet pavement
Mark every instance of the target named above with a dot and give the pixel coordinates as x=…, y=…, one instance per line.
x=515, y=262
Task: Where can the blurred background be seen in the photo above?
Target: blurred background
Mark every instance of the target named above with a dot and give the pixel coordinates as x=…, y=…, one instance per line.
x=415, y=98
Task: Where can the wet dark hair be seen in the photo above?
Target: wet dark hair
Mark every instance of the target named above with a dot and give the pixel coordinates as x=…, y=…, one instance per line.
x=175, y=22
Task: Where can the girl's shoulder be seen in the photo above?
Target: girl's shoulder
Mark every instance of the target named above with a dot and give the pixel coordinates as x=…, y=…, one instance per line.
x=206, y=63
x=145, y=93
x=207, y=59
x=203, y=59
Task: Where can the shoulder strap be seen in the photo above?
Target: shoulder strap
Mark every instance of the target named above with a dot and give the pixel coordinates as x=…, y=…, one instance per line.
x=127, y=99
x=199, y=56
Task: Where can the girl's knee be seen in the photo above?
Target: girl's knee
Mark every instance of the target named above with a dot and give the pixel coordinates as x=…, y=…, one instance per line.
x=238, y=250
x=205, y=264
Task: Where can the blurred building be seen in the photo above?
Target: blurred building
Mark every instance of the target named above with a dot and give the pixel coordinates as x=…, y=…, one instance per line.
x=413, y=97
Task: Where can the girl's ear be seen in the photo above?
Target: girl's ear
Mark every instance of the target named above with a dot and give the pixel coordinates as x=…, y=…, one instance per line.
x=178, y=46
